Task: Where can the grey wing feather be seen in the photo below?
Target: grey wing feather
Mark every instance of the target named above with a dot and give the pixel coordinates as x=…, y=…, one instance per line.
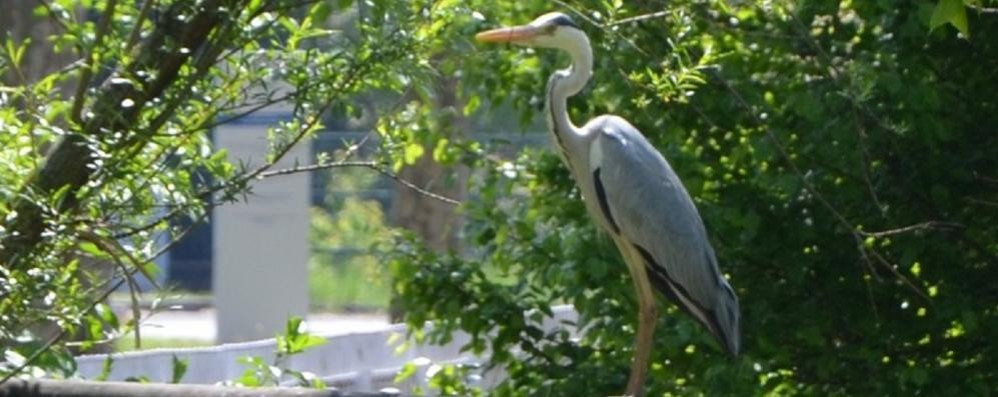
x=653, y=210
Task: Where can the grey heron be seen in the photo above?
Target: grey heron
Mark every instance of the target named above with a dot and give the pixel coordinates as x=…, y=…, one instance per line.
x=632, y=192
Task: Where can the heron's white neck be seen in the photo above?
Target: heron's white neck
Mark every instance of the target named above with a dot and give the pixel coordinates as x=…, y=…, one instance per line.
x=565, y=83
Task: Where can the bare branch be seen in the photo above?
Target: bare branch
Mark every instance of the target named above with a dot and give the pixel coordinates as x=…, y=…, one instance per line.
x=902, y=277
x=984, y=10
x=133, y=38
x=638, y=18
x=114, y=248
x=982, y=202
x=364, y=164
x=987, y=179
x=316, y=167
x=918, y=227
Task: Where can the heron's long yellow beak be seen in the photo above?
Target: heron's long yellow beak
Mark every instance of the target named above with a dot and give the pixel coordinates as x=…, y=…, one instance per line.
x=507, y=35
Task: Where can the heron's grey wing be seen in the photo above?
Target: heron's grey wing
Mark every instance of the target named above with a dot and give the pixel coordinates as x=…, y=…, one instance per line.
x=652, y=210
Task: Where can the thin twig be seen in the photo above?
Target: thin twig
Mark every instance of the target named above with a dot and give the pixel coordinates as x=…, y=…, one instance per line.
x=869, y=297
x=984, y=10
x=865, y=153
x=132, y=292
x=114, y=248
x=603, y=27
x=929, y=225
x=52, y=15
x=900, y=276
x=982, y=202
x=316, y=167
x=637, y=18
x=364, y=164
x=133, y=38
x=983, y=178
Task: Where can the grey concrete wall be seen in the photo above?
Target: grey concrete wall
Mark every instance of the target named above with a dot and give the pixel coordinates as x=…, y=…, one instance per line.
x=261, y=246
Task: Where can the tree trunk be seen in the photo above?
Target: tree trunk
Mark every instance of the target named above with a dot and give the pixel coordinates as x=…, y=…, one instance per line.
x=65, y=165
x=17, y=22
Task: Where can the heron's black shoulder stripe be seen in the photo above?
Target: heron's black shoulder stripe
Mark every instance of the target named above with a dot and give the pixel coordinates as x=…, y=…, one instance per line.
x=564, y=20
x=603, y=205
x=660, y=279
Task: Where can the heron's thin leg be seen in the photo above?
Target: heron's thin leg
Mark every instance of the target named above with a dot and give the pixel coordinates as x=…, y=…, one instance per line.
x=647, y=316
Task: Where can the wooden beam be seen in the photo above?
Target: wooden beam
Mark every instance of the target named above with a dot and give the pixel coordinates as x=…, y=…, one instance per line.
x=79, y=388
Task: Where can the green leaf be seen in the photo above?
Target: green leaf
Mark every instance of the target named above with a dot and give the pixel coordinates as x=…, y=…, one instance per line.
x=294, y=341
x=413, y=152
x=309, y=341
x=94, y=250
x=952, y=12
x=319, y=12
x=179, y=369
x=107, y=314
x=249, y=379
x=407, y=371
x=473, y=104
x=292, y=327
x=105, y=371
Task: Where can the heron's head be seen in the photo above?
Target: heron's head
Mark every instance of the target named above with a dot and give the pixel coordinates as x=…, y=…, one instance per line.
x=551, y=30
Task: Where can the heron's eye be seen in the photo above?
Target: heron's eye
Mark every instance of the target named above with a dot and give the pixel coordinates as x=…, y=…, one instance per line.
x=550, y=29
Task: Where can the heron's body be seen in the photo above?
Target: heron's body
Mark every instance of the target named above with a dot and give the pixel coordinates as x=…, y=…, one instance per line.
x=633, y=193
x=666, y=240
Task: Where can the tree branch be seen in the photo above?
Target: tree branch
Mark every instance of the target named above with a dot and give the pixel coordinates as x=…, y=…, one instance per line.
x=918, y=227
x=91, y=60
x=637, y=18
x=364, y=164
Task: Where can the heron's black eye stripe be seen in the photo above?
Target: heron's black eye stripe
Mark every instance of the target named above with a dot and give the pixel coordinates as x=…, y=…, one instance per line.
x=564, y=20
x=603, y=205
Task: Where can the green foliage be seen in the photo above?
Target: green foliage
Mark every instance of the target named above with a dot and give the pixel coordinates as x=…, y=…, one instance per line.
x=451, y=380
x=294, y=341
x=840, y=153
x=952, y=12
x=105, y=163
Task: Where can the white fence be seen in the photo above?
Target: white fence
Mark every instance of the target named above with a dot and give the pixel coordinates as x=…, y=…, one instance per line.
x=363, y=361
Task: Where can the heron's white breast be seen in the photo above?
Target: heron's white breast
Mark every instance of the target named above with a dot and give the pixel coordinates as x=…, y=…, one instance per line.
x=595, y=154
